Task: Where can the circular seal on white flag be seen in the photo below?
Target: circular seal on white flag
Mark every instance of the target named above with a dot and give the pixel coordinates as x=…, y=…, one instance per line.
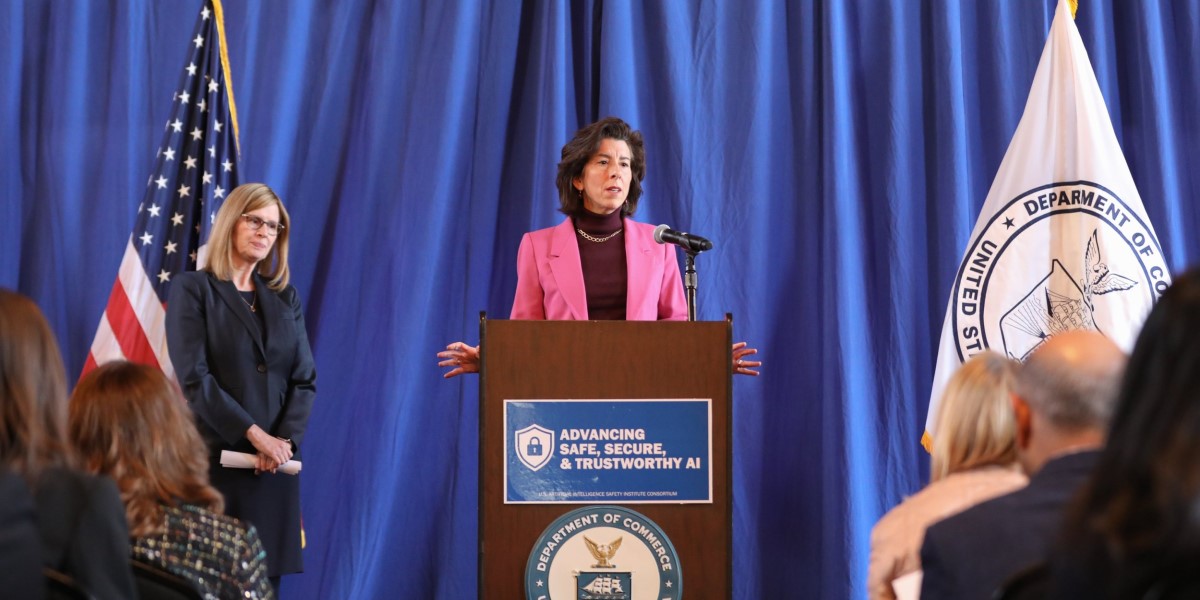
x=1064, y=256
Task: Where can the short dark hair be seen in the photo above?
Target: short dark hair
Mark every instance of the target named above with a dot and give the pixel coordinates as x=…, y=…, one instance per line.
x=586, y=143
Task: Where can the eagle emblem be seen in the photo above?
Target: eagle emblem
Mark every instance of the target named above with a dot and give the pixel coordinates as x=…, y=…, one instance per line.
x=1060, y=302
x=603, y=552
x=1098, y=280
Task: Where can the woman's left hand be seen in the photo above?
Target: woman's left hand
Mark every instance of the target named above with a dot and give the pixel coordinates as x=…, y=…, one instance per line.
x=464, y=359
x=741, y=366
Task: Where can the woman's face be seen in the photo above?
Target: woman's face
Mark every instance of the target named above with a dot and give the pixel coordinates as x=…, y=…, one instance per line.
x=606, y=177
x=252, y=245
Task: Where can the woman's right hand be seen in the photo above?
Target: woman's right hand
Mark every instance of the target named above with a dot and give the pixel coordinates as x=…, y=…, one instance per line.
x=272, y=451
x=464, y=359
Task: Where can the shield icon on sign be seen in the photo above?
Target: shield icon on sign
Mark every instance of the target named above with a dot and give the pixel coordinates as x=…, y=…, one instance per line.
x=535, y=446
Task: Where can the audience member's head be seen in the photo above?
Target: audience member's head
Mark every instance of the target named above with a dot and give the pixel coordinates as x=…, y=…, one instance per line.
x=130, y=423
x=1141, y=500
x=975, y=425
x=1064, y=396
x=33, y=396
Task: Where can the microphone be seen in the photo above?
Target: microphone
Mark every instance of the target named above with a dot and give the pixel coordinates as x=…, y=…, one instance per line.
x=692, y=243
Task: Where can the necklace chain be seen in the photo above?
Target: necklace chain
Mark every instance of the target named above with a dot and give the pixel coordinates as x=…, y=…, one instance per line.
x=249, y=305
x=598, y=240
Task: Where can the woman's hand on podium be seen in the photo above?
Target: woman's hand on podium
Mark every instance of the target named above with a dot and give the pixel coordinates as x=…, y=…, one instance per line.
x=741, y=366
x=464, y=359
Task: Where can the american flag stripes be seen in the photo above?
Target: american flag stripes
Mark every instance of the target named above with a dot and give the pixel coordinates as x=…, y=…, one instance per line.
x=195, y=167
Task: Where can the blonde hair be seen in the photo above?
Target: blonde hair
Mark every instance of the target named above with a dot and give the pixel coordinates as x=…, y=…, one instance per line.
x=129, y=422
x=246, y=198
x=975, y=423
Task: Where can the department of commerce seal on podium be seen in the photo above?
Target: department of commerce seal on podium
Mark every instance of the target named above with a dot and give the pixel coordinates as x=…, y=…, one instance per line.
x=603, y=553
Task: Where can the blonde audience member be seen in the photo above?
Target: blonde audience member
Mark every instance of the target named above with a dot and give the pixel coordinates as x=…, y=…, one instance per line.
x=130, y=423
x=973, y=460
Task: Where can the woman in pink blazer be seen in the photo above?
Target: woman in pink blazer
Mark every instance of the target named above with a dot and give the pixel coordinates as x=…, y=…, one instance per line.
x=597, y=264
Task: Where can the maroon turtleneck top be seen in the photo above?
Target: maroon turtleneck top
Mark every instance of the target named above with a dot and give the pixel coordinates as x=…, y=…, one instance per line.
x=605, y=276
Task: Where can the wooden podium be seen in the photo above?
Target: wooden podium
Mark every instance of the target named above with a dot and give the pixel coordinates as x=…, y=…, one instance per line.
x=565, y=360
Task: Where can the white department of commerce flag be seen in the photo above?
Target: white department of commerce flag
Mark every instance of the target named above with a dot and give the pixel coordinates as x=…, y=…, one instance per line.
x=1062, y=241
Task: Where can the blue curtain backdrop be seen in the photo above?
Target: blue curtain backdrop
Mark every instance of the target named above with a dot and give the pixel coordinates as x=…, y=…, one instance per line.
x=837, y=153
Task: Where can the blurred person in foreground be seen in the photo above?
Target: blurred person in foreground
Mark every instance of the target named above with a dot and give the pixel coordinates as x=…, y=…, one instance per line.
x=80, y=520
x=20, y=545
x=974, y=458
x=129, y=423
x=1062, y=401
x=1134, y=530
x=599, y=263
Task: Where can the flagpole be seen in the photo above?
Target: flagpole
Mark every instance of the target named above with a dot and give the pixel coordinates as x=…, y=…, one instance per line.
x=219, y=14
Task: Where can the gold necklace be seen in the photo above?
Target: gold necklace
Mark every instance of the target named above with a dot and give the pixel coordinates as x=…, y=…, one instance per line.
x=598, y=240
x=249, y=305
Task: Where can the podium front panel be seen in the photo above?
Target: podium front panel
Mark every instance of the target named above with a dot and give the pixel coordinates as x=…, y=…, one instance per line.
x=598, y=360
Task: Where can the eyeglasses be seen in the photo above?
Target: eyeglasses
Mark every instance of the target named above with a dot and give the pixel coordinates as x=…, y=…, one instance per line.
x=255, y=223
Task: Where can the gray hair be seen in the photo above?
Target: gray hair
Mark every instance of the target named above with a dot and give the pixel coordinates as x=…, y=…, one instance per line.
x=1072, y=396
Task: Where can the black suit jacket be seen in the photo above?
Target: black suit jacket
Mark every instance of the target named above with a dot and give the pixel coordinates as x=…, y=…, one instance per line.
x=970, y=554
x=84, y=534
x=232, y=375
x=20, y=546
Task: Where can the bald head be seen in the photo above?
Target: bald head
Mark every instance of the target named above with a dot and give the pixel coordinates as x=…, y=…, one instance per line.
x=1072, y=380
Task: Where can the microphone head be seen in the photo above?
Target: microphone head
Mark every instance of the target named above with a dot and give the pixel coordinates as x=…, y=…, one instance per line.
x=658, y=233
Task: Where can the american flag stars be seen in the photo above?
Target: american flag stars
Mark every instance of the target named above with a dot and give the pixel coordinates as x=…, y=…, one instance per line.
x=194, y=168
x=190, y=189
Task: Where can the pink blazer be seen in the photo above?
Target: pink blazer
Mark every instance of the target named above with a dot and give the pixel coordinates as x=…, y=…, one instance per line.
x=550, y=277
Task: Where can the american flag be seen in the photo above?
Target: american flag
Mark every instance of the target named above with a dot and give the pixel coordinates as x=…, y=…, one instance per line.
x=195, y=167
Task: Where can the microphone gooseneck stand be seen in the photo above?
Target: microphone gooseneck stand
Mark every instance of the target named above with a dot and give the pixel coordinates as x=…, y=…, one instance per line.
x=689, y=283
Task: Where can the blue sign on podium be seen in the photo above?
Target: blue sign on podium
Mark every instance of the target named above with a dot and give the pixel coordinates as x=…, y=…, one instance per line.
x=588, y=451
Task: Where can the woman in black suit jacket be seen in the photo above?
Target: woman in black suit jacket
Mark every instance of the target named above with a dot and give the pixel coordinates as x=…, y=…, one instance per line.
x=236, y=336
x=80, y=519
